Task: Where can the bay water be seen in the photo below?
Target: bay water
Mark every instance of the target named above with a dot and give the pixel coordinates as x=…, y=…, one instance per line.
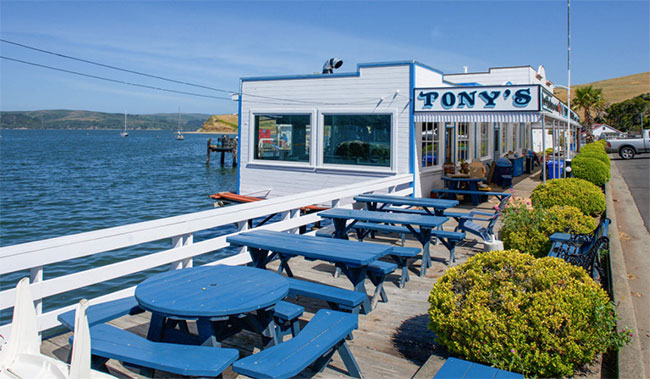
x=61, y=182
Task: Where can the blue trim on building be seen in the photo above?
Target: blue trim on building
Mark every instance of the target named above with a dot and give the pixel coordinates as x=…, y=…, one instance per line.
x=239, y=127
x=428, y=67
x=412, y=156
x=470, y=84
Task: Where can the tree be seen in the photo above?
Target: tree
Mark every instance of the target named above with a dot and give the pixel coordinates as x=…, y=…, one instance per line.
x=626, y=115
x=591, y=101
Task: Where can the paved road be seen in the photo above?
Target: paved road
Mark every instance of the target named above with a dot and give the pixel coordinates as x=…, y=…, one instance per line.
x=636, y=173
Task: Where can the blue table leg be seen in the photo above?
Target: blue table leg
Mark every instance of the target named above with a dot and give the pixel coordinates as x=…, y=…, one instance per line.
x=340, y=230
x=357, y=275
x=156, y=325
x=424, y=236
x=208, y=331
x=475, y=197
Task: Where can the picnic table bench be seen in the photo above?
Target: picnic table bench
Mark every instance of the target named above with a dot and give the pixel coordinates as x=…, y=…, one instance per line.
x=582, y=249
x=455, y=368
x=355, y=259
x=476, y=195
x=420, y=226
x=466, y=220
x=324, y=335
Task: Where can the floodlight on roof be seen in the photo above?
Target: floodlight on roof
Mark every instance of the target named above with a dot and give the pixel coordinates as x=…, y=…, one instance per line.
x=331, y=64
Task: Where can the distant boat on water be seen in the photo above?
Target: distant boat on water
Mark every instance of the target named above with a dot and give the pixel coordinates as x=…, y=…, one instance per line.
x=179, y=135
x=124, y=133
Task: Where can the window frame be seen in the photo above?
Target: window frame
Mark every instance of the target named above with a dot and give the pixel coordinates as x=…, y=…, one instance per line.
x=487, y=139
x=313, y=136
x=441, y=128
x=320, y=154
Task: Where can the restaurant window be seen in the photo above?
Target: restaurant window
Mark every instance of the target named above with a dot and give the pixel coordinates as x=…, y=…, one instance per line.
x=463, y=141
x=430, y=144
x=282, y=137
x=504, y=138
x=515, y=133
x=357, y=139
x=484, y=130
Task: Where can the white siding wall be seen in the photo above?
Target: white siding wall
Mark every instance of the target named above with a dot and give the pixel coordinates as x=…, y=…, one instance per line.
x=428, y=78
x=500, y=76
x=317, y=96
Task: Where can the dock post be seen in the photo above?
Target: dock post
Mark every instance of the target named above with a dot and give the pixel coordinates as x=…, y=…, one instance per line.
x=223, y=157
x=207, y=161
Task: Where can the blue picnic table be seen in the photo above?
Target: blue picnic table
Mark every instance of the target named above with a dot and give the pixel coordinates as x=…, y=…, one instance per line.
x=351, y=257
x=420, y=226
x=457, y=183
x=432, y=207
x=222, y=299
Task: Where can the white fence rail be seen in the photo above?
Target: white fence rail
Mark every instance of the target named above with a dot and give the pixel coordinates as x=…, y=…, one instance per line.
x=35, y=256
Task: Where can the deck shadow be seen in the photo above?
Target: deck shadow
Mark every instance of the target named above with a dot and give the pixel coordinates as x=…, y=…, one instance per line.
x=415, y=342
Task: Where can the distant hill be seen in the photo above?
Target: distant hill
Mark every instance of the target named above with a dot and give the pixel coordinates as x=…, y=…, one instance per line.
x=617, y=89
x=221, y=123
x=72, y=119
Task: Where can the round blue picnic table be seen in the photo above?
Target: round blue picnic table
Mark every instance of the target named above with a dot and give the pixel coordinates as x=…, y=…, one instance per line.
x=211, y=291
x=211, y=295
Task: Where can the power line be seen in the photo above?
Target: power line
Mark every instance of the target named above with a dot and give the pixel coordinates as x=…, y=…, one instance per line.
x=114, y=80
x=114, y=67
x=277, y=99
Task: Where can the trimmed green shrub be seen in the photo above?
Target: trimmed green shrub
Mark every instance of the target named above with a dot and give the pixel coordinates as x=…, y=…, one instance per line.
x=540, y=317
x=575, y=192
x=601, y=156
x=527, y=230
x=590, y=169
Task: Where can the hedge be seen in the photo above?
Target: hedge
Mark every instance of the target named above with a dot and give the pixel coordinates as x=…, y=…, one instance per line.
x=590, y=169
x=540, y=317
x=575, y=192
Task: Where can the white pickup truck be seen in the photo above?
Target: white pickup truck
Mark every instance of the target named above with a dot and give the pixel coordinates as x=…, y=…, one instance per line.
x=627, y=148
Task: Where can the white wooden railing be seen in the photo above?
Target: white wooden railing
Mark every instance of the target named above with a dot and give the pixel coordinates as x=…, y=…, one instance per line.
x=35, y=256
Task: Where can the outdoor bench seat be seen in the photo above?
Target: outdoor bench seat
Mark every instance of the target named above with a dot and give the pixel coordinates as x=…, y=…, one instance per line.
x=103, y=312
x=466, y=223
x=455, y=368
x=582, y=249
x=337, y=298
x=323, y=335
x=109, y=342
x=286, y=317
x=326, y=231
x=401, y=255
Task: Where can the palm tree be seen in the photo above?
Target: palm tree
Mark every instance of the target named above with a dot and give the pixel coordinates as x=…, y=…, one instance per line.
x=590, y=100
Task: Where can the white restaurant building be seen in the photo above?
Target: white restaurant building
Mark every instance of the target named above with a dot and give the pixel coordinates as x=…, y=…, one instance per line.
x=307, y=132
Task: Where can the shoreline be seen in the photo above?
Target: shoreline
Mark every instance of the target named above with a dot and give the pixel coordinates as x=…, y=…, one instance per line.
x=138, y=130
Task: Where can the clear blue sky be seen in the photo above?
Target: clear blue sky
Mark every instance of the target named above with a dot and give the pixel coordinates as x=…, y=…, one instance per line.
x=216, y=43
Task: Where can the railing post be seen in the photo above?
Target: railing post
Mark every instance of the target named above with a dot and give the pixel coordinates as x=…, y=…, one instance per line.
x=293, y=214
x=188, y=239
x=35, y=276
x=180, y=241
x=242, y=226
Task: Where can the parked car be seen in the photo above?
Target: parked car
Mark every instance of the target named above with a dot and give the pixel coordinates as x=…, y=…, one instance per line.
x=627, y=148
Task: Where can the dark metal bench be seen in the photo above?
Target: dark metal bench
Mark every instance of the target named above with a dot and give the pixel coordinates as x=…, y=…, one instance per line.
x=582, y=249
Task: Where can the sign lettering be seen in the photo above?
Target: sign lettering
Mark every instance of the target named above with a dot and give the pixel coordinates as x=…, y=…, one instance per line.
x=502, y=98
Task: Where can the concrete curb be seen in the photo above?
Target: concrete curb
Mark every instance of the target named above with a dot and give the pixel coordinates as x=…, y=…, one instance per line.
x=630, y=358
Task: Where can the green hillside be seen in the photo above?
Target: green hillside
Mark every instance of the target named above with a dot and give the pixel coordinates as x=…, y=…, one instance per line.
x=72, y=119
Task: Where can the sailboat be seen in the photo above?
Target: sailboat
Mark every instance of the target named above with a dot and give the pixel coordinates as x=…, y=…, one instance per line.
x=179, y=135
x=124, y=133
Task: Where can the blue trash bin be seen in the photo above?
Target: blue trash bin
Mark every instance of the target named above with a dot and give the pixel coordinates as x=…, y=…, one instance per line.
x=503, y=167
x=554, y=169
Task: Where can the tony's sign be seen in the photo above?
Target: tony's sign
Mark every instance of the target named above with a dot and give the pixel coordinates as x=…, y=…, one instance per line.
x=477, y=99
